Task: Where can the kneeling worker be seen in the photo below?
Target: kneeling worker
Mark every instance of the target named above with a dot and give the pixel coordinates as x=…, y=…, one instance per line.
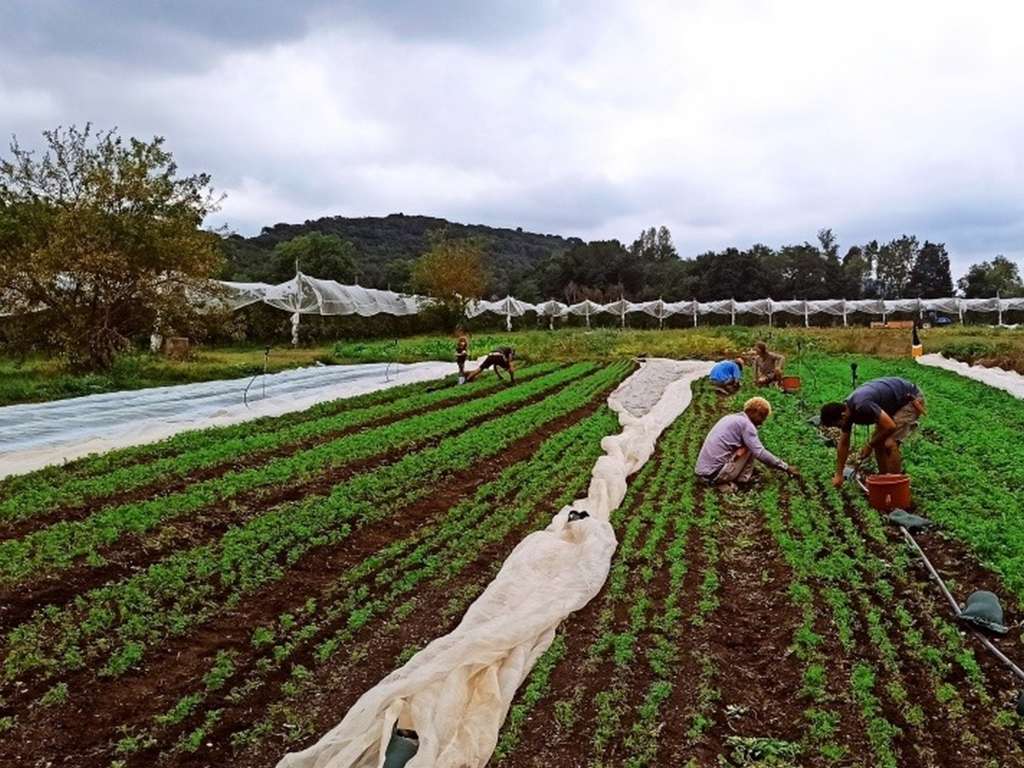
x=731, y=446
x=502, y=357
x=727, y=376
x=893, y=405
x=767, y=365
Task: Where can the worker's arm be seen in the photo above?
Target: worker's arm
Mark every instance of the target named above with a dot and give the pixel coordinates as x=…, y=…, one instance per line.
x=842, y=452
x=753, y=444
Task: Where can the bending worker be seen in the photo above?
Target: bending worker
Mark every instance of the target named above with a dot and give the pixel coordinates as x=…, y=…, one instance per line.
x=727, y=375
x=502, y=357
x=731, y=446
x=767, y=365
x=893, y=405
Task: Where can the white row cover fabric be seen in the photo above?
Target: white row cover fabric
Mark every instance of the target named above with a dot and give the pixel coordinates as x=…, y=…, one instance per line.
x=39, y=434
x=456, y=692
x=1008, y=381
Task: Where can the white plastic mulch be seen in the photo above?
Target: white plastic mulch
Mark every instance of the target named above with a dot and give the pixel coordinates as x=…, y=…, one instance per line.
x=39, y=434
x=1008, y=381
x=456, y=692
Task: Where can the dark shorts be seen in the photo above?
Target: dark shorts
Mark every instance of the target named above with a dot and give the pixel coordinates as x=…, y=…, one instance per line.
x=494, y=361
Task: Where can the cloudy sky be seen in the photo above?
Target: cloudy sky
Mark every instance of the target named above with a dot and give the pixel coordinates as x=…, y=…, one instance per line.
x=730, y=122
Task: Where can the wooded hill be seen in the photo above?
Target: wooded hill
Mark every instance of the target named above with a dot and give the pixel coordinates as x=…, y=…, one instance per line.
x=386, y=247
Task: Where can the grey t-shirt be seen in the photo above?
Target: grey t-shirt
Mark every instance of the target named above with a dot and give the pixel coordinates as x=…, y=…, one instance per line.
x=888, y=394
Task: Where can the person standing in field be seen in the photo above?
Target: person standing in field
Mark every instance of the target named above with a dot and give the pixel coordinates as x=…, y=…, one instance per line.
x=502, y=357
x=461, y=355
x=893, y=405
x=767, y=366
x=727, y=376
x=730, y=448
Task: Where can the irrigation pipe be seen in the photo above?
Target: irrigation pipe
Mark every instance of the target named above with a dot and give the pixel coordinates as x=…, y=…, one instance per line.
x=908, y=536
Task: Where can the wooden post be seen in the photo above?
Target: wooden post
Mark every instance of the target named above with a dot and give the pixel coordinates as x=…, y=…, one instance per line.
x=844, y=313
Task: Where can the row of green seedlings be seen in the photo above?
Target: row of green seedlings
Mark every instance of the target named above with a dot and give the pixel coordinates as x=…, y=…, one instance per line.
x=856, y=582
x=558, y=473
x=112, y=627
x=538, y=683
x=673, y=510
x=384, y=589
x=964, y=459
x=48, y=495
x=947, y=656
x=660, y=506
x=62, y=544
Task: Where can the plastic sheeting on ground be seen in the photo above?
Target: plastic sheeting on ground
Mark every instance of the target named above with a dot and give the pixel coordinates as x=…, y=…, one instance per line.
x=38, y=434
x=1008, y=381
x=456, y=692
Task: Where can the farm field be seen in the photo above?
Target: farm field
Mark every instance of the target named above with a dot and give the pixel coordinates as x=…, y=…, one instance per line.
x=225, y=596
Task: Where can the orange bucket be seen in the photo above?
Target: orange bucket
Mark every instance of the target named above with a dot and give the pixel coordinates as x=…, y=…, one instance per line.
x=888, y=492
x=790, y=383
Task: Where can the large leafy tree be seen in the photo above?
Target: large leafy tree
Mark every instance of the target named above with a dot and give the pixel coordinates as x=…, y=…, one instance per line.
x=452, y=273
x=930, y=277
x=999, y=276
x=894, y=264
x=104, y=236
x=317, y=255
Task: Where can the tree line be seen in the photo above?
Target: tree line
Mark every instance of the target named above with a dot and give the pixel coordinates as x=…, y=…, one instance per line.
x=102, y=242
x=650, y=268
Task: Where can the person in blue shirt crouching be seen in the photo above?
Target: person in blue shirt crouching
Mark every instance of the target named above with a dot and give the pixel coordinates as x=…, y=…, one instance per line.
x=727, y=376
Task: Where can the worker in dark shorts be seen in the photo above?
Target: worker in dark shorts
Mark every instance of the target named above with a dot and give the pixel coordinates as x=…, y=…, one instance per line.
x=461, y=355
x=893, y=405
x=502, y=357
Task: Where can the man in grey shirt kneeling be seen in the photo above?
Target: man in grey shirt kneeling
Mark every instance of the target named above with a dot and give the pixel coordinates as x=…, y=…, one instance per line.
x=731, y=446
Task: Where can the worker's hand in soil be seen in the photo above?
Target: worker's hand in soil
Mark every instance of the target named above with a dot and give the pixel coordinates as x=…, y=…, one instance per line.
x=837, y=480
x=793, y=471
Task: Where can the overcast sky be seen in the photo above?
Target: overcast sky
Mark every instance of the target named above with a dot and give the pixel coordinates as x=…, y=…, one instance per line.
x=730, y=122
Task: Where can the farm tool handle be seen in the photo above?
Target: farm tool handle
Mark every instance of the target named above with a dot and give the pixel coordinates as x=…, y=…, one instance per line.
x=956, y=607
x=1017, y=671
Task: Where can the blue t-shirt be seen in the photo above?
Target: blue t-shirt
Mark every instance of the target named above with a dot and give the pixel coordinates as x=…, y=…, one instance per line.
x=726, y=371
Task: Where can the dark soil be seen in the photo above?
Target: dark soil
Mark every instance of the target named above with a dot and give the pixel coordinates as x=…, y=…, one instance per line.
x=134, y=553
x=166, y=487
x=81, y=731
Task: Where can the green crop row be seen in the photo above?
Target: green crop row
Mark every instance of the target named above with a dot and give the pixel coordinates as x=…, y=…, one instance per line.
x=438, y=559
x=858, y=587
x=190, y=586
x=47, y=496
x=59, y=545
x=375, y=588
